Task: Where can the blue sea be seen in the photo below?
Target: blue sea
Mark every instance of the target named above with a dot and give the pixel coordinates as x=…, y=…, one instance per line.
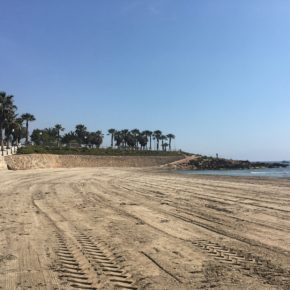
x=263, y=172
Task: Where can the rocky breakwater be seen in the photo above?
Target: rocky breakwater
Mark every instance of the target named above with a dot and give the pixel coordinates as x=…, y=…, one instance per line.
x=198, y=162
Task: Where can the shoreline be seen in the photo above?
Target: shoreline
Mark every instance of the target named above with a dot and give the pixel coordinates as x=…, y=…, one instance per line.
x=187, y=174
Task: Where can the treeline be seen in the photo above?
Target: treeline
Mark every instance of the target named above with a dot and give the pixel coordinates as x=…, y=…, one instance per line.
x=121, y=139
x=80, y=136
x=140, y=139
x=15, y=127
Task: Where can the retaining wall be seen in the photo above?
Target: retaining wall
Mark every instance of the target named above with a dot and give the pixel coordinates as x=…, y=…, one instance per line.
x=34, y=161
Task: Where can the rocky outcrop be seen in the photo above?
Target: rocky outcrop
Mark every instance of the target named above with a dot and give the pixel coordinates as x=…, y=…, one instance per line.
x=34, y=161
x=197, y=162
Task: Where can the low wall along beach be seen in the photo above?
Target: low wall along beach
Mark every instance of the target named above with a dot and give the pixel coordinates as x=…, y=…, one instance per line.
x=35, y=161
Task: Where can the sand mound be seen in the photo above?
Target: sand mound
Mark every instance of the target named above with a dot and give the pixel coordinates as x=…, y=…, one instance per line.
x=181, y=163
x=34, y=161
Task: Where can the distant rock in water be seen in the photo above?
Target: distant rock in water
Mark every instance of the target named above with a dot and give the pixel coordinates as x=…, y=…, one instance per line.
x=198, y=162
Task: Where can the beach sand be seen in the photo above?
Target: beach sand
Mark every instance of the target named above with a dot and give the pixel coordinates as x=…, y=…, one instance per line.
x=142, y=228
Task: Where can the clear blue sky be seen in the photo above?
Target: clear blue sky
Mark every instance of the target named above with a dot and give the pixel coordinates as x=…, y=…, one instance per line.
x=214, y=73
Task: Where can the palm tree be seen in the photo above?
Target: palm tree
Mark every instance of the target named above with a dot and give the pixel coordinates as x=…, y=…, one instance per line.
x=17, y=129
x=70, y=138
x=95, y=138
x=163, y=138
x=156, y=135
x=9, y=127
x=124, y=133
x=143, y=140
x=7, y=109
x=58, y=128
x=130, y=140
x=81, y=132
x=165, y=146
x=112, y=132
x=27, y=118
x=135, y=133
x=148, y=133
x=170, y=137
x=118, y=137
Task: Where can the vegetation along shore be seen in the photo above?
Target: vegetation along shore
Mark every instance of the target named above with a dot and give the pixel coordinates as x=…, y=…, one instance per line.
x=15, y=129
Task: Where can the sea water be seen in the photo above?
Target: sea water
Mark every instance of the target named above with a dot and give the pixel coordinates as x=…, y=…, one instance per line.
x=261, y=172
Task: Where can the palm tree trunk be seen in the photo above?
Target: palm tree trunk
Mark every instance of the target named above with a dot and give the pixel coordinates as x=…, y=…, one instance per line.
x=26, y=141
x=58, y=139
x=169, y=144
x=150, y=144
x=112, y=140
x=18, y=138
x=2, y=141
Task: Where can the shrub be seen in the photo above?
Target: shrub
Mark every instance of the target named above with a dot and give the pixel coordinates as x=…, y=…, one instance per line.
x=93, y=151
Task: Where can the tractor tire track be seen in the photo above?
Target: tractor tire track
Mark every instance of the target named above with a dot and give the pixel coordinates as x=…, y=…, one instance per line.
x=247, y=262
x=85, y=264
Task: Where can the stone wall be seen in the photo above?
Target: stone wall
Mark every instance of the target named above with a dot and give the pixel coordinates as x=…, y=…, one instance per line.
x=34, y=161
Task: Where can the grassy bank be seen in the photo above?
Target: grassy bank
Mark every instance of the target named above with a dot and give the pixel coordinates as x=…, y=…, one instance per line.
x=94, y=151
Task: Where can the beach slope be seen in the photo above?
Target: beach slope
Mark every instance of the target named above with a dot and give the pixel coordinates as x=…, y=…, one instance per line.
x=135, y=228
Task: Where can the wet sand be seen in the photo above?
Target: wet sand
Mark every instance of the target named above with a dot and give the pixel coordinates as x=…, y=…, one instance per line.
x=122, y=228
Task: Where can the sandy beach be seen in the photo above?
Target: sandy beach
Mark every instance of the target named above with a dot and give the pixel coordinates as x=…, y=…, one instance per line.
x=142, y=228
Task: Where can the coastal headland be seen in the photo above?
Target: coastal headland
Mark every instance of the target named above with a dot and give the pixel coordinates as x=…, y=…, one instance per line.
x=141, y=228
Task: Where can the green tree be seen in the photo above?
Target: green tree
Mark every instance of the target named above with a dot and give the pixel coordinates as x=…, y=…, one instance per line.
x=58, y=128
x=125, y=136
x=163, y=138
x=27, y=118
x=70, y=138
x=9, y=128
x=157, y=135
x=165, y=145
x=143, y=140
x=170, y=137
x=7, y=110
x=95, y=138
x=81, y=132
x=118, y=137
x=130, y=140
x=46, y=136
x=135, y=133
x=148, y=133
x=112, y=132
x=37, y=136
x=17, y=130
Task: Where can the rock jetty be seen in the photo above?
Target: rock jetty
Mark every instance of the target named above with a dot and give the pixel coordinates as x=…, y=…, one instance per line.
x=198, y=162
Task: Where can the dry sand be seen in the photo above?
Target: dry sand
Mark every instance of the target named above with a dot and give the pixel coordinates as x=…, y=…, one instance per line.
x=122, y=228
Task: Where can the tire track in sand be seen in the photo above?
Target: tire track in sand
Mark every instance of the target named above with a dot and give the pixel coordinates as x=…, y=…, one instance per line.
x=84, y=263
